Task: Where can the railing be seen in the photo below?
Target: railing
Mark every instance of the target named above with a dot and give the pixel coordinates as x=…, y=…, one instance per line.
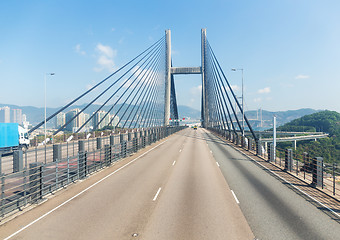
x=311, y=169
x=41, y=176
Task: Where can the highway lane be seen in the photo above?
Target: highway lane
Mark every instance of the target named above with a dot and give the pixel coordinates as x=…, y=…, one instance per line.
x=197, y=202
x=272, y=210
x=175, y=191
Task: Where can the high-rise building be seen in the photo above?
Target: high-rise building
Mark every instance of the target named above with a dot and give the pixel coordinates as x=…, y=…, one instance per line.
x=74, y=124
x=115, y=120
x=25, y=123
x=81, y=119
x=16, y=116
x=89, y=123
x=60, y=120
x=98, y=118
x=5, y=116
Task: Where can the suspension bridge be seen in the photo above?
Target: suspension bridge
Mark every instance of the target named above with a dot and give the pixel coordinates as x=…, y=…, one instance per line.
x=145, y=176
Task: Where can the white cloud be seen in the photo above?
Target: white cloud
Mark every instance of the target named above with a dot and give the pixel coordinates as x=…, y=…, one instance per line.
x=196, y=90
x=301, y=76
x=79, y=50
x=264, y=90
x=105, y=58
x=105, y=50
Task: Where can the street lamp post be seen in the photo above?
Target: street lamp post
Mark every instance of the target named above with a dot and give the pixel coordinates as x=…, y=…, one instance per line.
x=241, y=69
x=45, y=76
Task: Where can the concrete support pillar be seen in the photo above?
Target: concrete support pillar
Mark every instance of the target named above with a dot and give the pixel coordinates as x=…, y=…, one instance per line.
x=258, y=148
x=99, y=143
x=144, y=138
x=81, y=146
x=122, y=137
x=82, y=160
x=135, y=141
x=123, y=145
x=112, y=140
x=149, y=137
x=288, y=160
x=35, y=181
x=317, y=171
x=108, y=154
x=18, y=161
x=56, y=152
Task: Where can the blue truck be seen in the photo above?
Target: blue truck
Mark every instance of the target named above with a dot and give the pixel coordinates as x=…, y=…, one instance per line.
x=12, y=137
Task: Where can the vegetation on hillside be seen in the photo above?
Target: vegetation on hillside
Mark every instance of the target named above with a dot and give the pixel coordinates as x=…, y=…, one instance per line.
x=325, y=121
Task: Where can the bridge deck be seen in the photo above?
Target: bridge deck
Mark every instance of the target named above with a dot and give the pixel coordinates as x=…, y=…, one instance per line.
x=190, y=186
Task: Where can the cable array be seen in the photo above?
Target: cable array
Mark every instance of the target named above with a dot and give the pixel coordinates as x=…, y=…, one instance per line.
x=130, y=97
x=223, y=108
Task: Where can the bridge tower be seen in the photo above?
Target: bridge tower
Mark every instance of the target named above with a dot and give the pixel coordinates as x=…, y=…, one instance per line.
x=171, y=71
x=167, y=78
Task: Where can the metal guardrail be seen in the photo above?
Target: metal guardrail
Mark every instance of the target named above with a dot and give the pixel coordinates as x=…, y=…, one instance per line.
x=43, y=176
x=311, y=169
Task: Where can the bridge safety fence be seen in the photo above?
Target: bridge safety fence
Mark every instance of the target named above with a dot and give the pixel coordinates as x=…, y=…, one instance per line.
x=311, y=169
x=32, y=179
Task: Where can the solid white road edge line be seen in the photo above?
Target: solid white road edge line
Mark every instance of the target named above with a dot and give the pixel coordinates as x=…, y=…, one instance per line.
x=306, y=194
x=159, y=190
x=237, y=201
x=85, y=190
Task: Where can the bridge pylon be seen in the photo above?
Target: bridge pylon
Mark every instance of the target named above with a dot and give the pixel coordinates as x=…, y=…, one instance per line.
x=170, y=71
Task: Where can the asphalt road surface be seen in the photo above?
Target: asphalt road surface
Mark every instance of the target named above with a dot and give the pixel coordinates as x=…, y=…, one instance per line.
x=174, y=189
x=272, y=209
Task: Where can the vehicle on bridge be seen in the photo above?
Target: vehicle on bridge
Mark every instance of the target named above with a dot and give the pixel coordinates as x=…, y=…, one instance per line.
x=12, y=137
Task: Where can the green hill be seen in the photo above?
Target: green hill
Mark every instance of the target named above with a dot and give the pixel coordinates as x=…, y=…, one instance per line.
x=325, y=121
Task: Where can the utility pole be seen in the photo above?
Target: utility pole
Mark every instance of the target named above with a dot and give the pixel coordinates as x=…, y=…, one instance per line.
x=45, y=76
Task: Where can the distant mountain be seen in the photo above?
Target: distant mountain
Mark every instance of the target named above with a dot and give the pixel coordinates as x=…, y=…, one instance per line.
x=36, y=115
x=326, y=121
x=282, y=117
x=188, y=112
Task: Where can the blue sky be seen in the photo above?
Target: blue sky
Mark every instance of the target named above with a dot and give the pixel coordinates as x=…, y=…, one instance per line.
x=289, y=49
